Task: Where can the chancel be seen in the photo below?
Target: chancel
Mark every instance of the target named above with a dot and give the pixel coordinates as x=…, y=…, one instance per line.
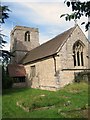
x=51, y=65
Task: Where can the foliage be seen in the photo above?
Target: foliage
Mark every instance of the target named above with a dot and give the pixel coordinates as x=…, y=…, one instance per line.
x=79, y=9
x=4, y=54
x=4, y=15
x=82, y=76
x=4, y=11
x=6, y=80
x=69, y=102
x=2, y=42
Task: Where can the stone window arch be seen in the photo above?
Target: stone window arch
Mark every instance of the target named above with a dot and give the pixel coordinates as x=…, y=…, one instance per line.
x=27, y=36
x=78, y=49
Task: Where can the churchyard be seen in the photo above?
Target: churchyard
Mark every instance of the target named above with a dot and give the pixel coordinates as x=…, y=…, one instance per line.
x=69, y=102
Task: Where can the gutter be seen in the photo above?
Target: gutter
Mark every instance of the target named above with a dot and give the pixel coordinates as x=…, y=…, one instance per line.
x=54, y=63
x=39, y=59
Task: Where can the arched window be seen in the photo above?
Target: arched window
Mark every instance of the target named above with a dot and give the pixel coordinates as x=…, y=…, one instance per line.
x=78, y=54
x=27, y=36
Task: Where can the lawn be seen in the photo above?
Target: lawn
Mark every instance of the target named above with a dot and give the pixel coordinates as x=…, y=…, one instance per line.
x=69, y=102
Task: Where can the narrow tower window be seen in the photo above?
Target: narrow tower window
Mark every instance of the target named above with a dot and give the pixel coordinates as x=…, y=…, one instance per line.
x=27, y=36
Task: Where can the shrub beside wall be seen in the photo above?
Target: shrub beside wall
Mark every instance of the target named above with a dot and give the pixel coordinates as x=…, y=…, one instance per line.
x=6, y=80
x=82, y=77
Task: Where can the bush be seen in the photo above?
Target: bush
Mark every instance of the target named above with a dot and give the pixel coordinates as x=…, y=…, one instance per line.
x=6, y=82
x=82, y=76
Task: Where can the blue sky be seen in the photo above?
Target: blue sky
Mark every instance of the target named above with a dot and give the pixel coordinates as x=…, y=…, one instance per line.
x=42, y=14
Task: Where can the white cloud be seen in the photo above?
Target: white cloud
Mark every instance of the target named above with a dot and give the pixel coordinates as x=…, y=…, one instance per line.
x=43, y=14
x=46, y=15
x=38, y=0
x=47, y=12
x=33, y=0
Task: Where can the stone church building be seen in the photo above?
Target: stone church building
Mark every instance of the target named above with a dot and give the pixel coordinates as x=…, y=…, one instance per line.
x=51, y=65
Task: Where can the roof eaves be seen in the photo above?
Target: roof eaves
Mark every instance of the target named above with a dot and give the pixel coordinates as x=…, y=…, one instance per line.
x=33, y=61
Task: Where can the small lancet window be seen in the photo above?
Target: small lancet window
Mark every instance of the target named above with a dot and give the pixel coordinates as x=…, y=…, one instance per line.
x=33, y=71
x=27, y=36
x=78, y=54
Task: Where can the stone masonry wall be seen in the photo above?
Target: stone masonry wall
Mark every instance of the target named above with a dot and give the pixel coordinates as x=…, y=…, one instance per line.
x=44, y=78
x=65, y=60
x=18, y=43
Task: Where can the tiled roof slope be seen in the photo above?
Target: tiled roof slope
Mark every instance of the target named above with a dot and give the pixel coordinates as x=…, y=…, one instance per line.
x=16, y=70
x=47, y=49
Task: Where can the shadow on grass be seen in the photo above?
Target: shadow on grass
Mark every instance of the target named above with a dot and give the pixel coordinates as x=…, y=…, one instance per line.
x=44, y=119
x=14, y=90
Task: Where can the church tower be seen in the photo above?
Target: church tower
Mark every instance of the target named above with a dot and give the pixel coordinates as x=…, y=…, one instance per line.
x=23, y=39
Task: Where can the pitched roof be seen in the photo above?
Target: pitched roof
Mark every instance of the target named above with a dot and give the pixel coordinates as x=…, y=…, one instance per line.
x=47, y=49
x=16, y=70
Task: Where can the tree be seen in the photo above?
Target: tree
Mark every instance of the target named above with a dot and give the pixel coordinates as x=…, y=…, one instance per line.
x=79, y=9
x=4, y=15
x=4, y=12
x=4, y=54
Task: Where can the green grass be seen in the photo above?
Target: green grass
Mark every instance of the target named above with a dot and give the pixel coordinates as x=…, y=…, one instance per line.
x=69, y=102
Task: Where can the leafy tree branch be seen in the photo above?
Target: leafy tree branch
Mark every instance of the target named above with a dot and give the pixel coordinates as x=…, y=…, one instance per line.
x=79, y=9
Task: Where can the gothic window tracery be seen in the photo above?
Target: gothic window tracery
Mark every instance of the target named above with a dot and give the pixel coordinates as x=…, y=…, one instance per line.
x=27, y=36
x=78, y=54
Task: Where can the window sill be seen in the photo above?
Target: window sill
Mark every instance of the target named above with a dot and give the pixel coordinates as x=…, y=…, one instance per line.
x=79, y=67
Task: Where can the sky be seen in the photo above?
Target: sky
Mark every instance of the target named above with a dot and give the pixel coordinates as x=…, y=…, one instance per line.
x=41, y=14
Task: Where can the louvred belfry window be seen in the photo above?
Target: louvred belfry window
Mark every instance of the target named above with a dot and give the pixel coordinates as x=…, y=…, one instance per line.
x=27, y=36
